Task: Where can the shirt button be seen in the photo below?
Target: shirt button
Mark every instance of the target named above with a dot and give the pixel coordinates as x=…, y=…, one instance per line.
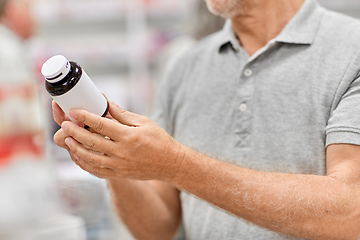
x=243, y=107
x=248, y=72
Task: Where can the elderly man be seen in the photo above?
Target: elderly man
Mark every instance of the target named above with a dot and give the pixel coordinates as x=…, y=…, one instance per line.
x=271, y=106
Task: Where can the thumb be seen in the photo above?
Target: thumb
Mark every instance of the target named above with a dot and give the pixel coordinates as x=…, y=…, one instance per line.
x=123, y=116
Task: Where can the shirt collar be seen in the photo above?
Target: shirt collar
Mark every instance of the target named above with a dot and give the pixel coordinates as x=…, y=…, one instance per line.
x=301, y=29
x=228, y=36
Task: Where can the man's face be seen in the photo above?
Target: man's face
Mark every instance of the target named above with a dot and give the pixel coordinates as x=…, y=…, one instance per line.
x=226, y=8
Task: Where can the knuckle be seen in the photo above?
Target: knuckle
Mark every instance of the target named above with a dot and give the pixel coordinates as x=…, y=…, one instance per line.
x=74, y=149
x=91, y=158
x=91, y=143
x=145, y=119
x=98, y=126
x=121, y=111
x=131, y=138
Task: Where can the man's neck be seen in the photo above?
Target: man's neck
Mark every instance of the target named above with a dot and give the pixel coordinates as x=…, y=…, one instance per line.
x=263, y=21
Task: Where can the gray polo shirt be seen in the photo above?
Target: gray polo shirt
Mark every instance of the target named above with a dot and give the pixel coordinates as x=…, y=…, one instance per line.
x=274, y=111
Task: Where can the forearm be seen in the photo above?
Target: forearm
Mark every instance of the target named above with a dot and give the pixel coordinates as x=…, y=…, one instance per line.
x=301, y=205
x=316, y=207
x=147, y=212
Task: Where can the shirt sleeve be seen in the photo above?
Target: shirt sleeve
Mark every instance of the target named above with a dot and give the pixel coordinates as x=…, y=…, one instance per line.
x=344, y=122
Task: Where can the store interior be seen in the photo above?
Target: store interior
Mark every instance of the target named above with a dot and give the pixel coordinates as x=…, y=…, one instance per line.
x=124, y=46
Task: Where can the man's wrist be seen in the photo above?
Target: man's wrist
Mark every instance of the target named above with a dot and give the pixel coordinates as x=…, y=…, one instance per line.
x=175, y=155
x=186, y=166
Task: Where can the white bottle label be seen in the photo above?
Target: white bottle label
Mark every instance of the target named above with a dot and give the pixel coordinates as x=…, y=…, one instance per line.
x=84, y=95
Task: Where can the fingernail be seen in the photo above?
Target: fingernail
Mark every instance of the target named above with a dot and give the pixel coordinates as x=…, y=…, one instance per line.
x=68, y=142
x=73, y=114
x=64, y=126
x=112, y=103
x=76, y=157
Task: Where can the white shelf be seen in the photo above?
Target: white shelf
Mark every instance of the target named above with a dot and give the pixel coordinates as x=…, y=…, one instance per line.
x=89, y=11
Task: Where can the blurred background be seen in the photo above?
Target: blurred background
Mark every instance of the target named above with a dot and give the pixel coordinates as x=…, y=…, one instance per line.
x=124, y=46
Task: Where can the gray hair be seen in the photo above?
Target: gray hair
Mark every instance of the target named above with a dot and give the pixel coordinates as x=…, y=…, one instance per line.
x=2, y=7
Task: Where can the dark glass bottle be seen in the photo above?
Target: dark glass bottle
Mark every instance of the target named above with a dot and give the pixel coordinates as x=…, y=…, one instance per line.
x=70, y=87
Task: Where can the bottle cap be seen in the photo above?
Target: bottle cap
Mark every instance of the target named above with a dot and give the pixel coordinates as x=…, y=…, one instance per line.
x=55, y=69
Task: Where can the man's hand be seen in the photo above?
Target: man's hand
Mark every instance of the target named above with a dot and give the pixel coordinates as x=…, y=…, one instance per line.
x=134, y=146
x=150, y=209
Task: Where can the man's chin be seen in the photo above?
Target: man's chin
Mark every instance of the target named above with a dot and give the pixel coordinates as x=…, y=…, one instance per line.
x=222, y=12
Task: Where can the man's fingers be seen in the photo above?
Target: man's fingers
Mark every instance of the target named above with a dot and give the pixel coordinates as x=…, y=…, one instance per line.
x=59, y=115
x=90, y=140
x=97, y=171
x=93, y=158
x=104, y=126
x=124, y=117
x=59, y=138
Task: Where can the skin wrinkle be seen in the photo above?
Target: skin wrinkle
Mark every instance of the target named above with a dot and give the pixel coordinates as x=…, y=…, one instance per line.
x=91, y=159
x=91, y=143
x=181, y=162
x=164, y=149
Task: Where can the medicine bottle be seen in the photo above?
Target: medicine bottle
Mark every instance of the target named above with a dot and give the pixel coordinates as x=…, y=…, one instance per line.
x=71, y=87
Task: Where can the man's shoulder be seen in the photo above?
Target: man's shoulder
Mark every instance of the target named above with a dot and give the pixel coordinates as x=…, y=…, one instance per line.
x=341, y=26
x=339, y=18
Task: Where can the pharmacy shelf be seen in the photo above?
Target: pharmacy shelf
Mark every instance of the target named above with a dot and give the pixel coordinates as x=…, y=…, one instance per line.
x=80, y=12
x=108, y=36
x=101, y=33
x=107, y=54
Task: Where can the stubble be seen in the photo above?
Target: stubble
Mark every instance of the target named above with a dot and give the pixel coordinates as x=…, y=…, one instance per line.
x=228, y=8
